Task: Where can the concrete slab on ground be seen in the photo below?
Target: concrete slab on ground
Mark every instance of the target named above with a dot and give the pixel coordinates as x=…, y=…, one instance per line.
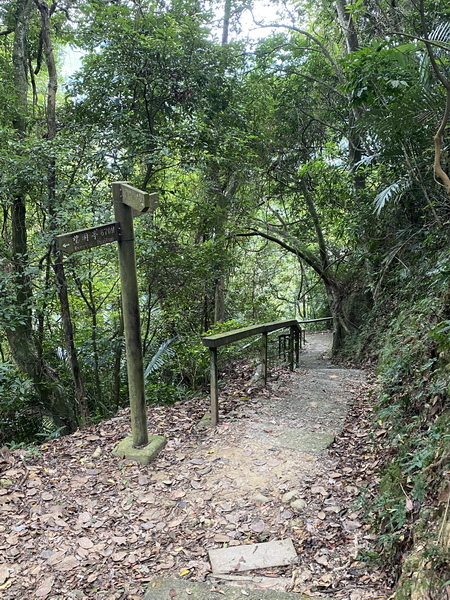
x=255, y=582
x=252, y=556
x=180, y=589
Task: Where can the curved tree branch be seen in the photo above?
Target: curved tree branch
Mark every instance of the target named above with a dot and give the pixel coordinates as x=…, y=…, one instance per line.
x=308, y=35
x=438, y=146
x=301, y=253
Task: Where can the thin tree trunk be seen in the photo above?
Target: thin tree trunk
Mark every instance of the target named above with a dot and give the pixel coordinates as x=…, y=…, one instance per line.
x=118, y=360
x=52, y=88
x=347, y=25
x=226, y=22
x=21, y=336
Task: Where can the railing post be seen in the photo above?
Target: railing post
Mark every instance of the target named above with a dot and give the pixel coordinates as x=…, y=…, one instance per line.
x=264, y=343
x=214, y=387
x=298, y=337
x=291, y=348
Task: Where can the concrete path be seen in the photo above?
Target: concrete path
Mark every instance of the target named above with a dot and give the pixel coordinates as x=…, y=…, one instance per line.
x=281, y=439
x=267, y=449
x=177, y=589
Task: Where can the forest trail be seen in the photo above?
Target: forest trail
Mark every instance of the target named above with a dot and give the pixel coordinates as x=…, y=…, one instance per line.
x=78, y=523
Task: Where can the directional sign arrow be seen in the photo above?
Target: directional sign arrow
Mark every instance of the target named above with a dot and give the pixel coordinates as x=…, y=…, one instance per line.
x=140, y=201
x=88, y=238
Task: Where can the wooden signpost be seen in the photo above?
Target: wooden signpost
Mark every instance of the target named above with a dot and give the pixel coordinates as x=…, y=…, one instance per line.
x=128, y=201
x=88, y=238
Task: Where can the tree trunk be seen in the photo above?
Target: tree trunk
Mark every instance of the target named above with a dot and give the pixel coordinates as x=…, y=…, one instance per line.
x=226, y=22
x=219, y=300
x=20, y=337
x=118, y=360
x=347, y=25
x=52, y=88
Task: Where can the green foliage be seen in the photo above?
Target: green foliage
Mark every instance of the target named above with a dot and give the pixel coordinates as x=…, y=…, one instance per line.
x=192, y=357
x=20, y=418
x=161, y=392
x=410, y=336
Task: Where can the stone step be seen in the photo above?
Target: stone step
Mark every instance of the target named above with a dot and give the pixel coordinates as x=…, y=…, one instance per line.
x=180, y=589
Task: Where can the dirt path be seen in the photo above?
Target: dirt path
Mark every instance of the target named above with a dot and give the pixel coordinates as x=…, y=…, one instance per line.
x=77, y=523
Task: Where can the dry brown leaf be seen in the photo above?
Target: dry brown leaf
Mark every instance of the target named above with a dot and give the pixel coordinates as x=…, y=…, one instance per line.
x=67, y=564
x=220, y=538
x=85, y=542
x=118, y=556
x=56, y=557
x=4, y=573
x=45, y=588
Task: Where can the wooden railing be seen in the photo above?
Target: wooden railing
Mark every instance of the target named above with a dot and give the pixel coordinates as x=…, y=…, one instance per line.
x=213, y=342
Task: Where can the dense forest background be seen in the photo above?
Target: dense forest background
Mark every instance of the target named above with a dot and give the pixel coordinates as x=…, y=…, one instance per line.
x=300, y=175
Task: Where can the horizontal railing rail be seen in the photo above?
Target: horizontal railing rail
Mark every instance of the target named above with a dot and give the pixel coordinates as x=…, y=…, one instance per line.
x=222, y=339
x=213, y=342
x=316, y=320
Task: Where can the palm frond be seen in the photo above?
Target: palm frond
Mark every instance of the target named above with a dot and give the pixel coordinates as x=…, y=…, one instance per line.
x=392, y=192
x=159, y=358
x=365, y=160
x=441, y=33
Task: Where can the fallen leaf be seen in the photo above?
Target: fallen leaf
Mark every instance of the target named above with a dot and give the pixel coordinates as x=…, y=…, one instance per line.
x=56, y=558
x=6, y=585
x=322, y=560
x=85, y=543
x=67, y=564
x=45, y=588
x=4, y=573
x=97, y=452
x=119, y=540
x=118, y=556
x=350, y=525
x=220, y=538
x=257, y=526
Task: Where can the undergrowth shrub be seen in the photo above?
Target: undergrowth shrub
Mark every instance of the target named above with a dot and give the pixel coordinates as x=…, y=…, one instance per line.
x=20, y=417
x=191, y=367
x=409, y=333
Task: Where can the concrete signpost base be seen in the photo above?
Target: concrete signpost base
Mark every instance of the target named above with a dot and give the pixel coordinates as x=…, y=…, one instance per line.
x=144, y=455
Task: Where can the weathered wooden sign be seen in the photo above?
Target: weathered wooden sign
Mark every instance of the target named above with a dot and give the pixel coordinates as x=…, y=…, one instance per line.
x=127, y=201
x=138, y=200
x=68, y=243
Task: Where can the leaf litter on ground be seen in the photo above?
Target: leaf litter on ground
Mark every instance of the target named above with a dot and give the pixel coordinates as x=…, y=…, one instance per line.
x=78, y=523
